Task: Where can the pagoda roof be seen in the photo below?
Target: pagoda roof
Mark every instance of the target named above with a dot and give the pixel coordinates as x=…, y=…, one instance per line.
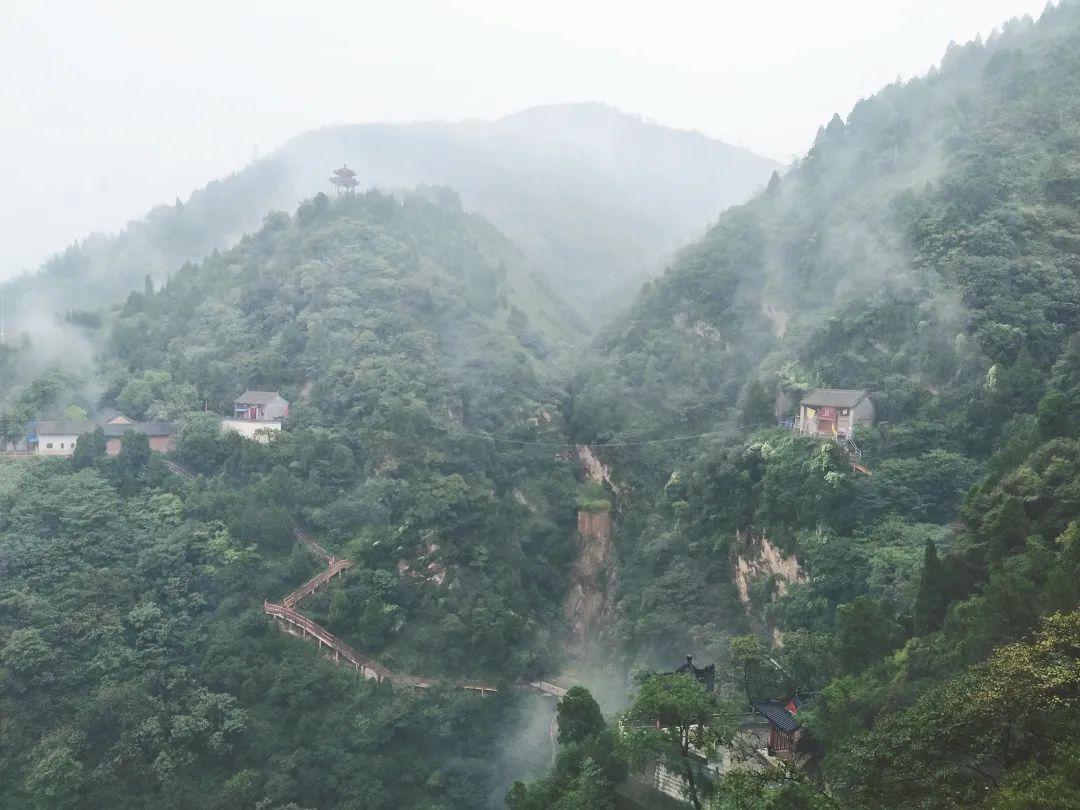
x=344, y=171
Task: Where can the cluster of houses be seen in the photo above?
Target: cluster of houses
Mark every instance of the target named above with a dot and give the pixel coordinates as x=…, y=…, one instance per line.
x=58, y=438
x=254, y=413
x=771, y=733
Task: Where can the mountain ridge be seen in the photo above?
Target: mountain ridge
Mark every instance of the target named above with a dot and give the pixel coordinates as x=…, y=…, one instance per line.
x=544, y=203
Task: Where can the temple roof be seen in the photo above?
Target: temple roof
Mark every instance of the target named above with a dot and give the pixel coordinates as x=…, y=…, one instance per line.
x=834, y=398
x=257, y=397
x=775, y=711
x=706, y=676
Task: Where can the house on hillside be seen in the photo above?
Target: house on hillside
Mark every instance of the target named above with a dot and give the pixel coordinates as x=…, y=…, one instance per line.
x=58, y=438
x=260, y=406
x=785, y=731
x=255, y=413
x=834, y=411
x=162, y=435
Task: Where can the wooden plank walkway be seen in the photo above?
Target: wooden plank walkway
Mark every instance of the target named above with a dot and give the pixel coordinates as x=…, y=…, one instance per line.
x=292, y=621
x=316, y=549
x=313, y=584
x=177, y=469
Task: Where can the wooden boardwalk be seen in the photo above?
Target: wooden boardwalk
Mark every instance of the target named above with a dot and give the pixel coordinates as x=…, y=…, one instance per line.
x=335, y=568
x=294, y=622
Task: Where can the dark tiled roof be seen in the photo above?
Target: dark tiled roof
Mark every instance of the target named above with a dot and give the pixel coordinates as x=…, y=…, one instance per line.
x=149, y=428
x=60, y=428
x=706, y=676
x=256, y=397
x=776, y=713
x=834, y=398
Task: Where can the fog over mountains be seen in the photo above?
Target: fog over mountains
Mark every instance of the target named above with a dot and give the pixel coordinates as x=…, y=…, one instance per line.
x=595, y=198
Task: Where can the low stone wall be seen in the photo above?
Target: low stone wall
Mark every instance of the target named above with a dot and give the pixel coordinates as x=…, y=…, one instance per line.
x=251, y=429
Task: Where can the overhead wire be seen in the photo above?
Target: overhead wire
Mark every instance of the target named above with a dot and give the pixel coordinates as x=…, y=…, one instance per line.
x=568, y=445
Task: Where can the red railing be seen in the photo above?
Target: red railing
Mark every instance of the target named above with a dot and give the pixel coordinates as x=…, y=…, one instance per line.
x=309, y=587
x=370, y=668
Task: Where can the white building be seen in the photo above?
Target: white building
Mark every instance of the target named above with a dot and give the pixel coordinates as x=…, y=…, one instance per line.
x=260, y=406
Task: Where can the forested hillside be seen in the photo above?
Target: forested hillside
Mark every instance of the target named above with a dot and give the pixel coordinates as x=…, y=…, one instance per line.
x=927, y=249
x=593, y=197
x=920, y=598
x=137, y=668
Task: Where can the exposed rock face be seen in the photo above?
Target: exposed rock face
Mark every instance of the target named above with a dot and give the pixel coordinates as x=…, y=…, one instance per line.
x=425, y=566
x=594, y=469
x=757, y=558
x=592, y=579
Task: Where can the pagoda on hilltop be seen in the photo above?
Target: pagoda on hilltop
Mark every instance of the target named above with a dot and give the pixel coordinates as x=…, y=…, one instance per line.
x=344, y=179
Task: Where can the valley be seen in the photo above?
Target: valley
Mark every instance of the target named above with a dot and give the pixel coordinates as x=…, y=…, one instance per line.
x=605, y=471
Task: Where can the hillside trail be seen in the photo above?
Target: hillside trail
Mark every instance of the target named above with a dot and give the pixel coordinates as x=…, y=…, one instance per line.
x=292, y=621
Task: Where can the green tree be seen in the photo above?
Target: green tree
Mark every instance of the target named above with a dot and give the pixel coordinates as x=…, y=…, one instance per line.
x=963, y=735
x=1055, y=415
x=578, y=716
x=932, y=598
x=866, y=633
x=90, y=449
x=756, y=404
x=672, y=719
x=1006, y=526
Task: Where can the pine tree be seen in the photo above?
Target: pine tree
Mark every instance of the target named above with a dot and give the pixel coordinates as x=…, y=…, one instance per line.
x=932, y=599
x=757, y=406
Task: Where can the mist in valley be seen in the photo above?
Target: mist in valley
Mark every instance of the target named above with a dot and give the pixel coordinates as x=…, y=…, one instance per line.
x=554, y=309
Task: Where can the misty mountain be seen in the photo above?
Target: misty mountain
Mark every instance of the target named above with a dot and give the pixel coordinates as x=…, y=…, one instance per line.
x=912, y=589
x=394, y=325
x=595, y=199
x=927, y=250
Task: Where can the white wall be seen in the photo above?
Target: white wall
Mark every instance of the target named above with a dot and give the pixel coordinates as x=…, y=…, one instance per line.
x=249, y=429
x=68, y=443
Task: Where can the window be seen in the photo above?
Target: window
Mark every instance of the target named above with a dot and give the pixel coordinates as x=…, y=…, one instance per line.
x=48, y=446
x=61, y=445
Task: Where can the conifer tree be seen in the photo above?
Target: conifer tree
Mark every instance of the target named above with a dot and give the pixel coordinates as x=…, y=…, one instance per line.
x=932, y=600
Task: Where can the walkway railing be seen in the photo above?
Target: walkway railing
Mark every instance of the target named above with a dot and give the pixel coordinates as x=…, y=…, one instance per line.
x=294, y=622
x=309, y=541
x=843, y=439
x=176, y=469
x=316, y=581
x=369, y=668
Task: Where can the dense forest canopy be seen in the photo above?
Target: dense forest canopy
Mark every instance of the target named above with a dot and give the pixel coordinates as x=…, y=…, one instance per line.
x=925, y=249
x=392, y=324
x=922, y=606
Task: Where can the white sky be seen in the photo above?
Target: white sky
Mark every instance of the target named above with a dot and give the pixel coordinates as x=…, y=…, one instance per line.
x=110, y=107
